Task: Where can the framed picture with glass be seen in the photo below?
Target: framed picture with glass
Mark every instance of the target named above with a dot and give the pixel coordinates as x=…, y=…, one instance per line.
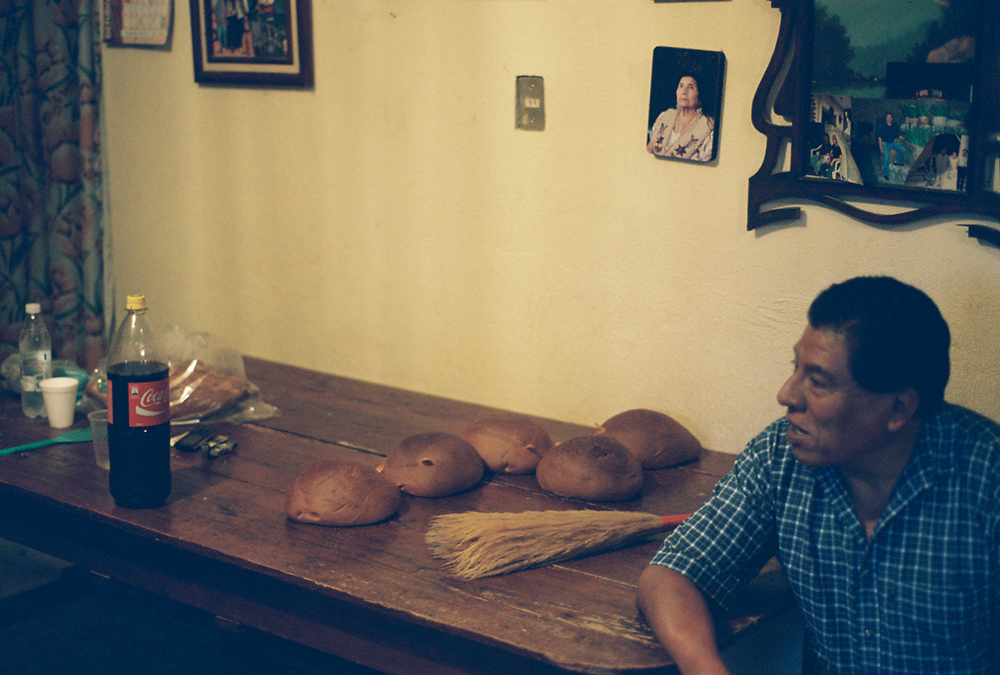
x=256, y=42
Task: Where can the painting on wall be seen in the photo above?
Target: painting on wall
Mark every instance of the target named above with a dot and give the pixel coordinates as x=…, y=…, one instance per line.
x=685, y=99
x=262, y=42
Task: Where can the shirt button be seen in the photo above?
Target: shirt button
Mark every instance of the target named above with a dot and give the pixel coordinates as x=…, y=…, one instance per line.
x=868, y=633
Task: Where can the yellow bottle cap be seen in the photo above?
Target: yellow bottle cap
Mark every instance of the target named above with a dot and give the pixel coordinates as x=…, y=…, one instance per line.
x=136, y=302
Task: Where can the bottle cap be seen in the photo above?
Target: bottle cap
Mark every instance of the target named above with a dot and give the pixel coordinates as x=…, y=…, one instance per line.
x=136, y=302
x=33, y=308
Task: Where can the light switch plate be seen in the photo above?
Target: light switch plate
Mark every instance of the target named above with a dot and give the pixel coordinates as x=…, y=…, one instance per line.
x=530, y=112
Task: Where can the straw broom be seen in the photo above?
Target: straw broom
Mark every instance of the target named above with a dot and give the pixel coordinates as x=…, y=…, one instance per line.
x=477, y=545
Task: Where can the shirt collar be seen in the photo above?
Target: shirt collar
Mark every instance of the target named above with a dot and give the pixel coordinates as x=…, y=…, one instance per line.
x=933, y=457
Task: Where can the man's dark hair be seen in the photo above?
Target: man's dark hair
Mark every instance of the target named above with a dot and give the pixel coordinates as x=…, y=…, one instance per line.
x=896, y=336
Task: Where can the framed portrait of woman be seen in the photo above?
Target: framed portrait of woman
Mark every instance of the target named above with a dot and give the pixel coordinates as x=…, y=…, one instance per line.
x=685, y=99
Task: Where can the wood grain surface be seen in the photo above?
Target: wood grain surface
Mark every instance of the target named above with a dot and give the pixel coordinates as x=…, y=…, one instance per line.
x=371, y=594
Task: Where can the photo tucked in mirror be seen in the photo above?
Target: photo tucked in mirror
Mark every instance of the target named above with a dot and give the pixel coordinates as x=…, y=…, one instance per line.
x=891, y=87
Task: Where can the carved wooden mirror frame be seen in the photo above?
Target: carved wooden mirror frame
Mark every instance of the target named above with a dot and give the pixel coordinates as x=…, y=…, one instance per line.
x=789, y=89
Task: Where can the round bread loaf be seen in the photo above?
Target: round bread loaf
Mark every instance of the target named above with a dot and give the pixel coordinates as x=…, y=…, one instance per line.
x=509, y=443
x=433, y=465
x=341, y=493
x=594, y=468
x=656, y=440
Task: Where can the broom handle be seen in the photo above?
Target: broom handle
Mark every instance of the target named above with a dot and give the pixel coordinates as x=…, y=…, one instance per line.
x=673, y=521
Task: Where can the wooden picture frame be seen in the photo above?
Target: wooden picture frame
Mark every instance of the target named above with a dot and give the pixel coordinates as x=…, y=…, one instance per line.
x=253, y=42
x=946, y=104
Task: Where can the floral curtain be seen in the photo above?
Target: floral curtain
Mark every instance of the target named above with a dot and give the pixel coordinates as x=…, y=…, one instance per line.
x=50, y=174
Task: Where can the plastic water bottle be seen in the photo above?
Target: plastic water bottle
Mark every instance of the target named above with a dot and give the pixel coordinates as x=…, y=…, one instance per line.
x=35, y=347
x=138, y=412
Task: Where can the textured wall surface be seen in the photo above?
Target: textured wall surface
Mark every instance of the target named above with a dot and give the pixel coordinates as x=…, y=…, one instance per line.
x=391, y=224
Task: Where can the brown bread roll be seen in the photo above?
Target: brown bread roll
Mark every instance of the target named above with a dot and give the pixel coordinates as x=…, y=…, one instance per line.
x=594, y=468
x=656, y=440
x=433, y=465
x=509, y=443
x=341, y=493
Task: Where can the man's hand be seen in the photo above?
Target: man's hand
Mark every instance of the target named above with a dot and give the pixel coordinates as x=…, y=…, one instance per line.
x=679, y=616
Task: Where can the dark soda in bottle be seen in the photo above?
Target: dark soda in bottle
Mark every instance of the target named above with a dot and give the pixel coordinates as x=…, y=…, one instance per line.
x=138, y=412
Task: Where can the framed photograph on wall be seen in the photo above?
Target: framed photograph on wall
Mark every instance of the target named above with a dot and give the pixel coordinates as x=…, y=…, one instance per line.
x=685, y=100
x=262, y=42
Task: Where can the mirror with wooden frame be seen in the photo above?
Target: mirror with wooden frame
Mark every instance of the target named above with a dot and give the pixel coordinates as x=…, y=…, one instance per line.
x=886, y=110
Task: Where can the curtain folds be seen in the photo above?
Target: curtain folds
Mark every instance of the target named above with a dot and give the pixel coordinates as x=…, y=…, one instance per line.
x=50, y=174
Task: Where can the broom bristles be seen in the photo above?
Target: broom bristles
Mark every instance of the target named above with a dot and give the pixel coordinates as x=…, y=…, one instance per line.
x=477, y=545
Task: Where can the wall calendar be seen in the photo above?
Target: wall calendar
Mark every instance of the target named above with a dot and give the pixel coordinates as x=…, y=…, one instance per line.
x=137, y=22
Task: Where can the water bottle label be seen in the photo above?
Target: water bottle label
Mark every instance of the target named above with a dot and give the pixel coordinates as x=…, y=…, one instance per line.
x=148, y=403
x=36, y=364
x=29, y=383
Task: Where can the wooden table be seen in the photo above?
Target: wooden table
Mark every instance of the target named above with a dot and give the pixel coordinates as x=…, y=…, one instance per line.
x=369, y=594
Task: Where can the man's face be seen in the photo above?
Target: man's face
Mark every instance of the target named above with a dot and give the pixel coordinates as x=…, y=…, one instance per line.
x=888, y=119
x=834, y=422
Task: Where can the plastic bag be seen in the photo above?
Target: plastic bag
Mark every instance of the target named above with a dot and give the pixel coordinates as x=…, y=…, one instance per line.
x=207, y=381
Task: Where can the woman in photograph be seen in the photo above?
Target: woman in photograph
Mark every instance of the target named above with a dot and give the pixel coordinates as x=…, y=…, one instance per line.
x=685, y=131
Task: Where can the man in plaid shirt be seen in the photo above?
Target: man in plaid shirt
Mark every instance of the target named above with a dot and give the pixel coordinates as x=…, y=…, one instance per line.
x=880, y=500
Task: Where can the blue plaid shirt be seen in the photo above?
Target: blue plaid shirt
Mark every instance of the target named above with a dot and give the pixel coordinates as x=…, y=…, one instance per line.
x=922, y=595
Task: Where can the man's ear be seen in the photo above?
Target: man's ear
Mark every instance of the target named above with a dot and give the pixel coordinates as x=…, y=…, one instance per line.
x=904, y=409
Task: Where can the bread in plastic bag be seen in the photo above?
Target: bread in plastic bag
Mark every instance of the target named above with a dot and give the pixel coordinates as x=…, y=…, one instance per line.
x=207, y=380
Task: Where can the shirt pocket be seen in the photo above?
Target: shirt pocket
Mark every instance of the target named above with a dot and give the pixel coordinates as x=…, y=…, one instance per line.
x=943, y=612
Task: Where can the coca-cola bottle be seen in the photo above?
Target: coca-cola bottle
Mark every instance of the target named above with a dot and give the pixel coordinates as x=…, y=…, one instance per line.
x=138, y=412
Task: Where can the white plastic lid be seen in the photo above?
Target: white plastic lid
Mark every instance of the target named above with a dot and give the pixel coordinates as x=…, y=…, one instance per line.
x=33, y=308
x=136, y=302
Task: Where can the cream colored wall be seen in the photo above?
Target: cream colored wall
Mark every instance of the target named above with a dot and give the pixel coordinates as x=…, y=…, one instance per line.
x=392, y=225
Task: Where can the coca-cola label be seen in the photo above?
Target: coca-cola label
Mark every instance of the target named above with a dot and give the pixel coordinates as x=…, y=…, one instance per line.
x=148, y=403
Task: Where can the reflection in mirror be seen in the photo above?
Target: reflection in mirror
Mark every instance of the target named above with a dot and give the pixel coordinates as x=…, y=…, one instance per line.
x=892, y=101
